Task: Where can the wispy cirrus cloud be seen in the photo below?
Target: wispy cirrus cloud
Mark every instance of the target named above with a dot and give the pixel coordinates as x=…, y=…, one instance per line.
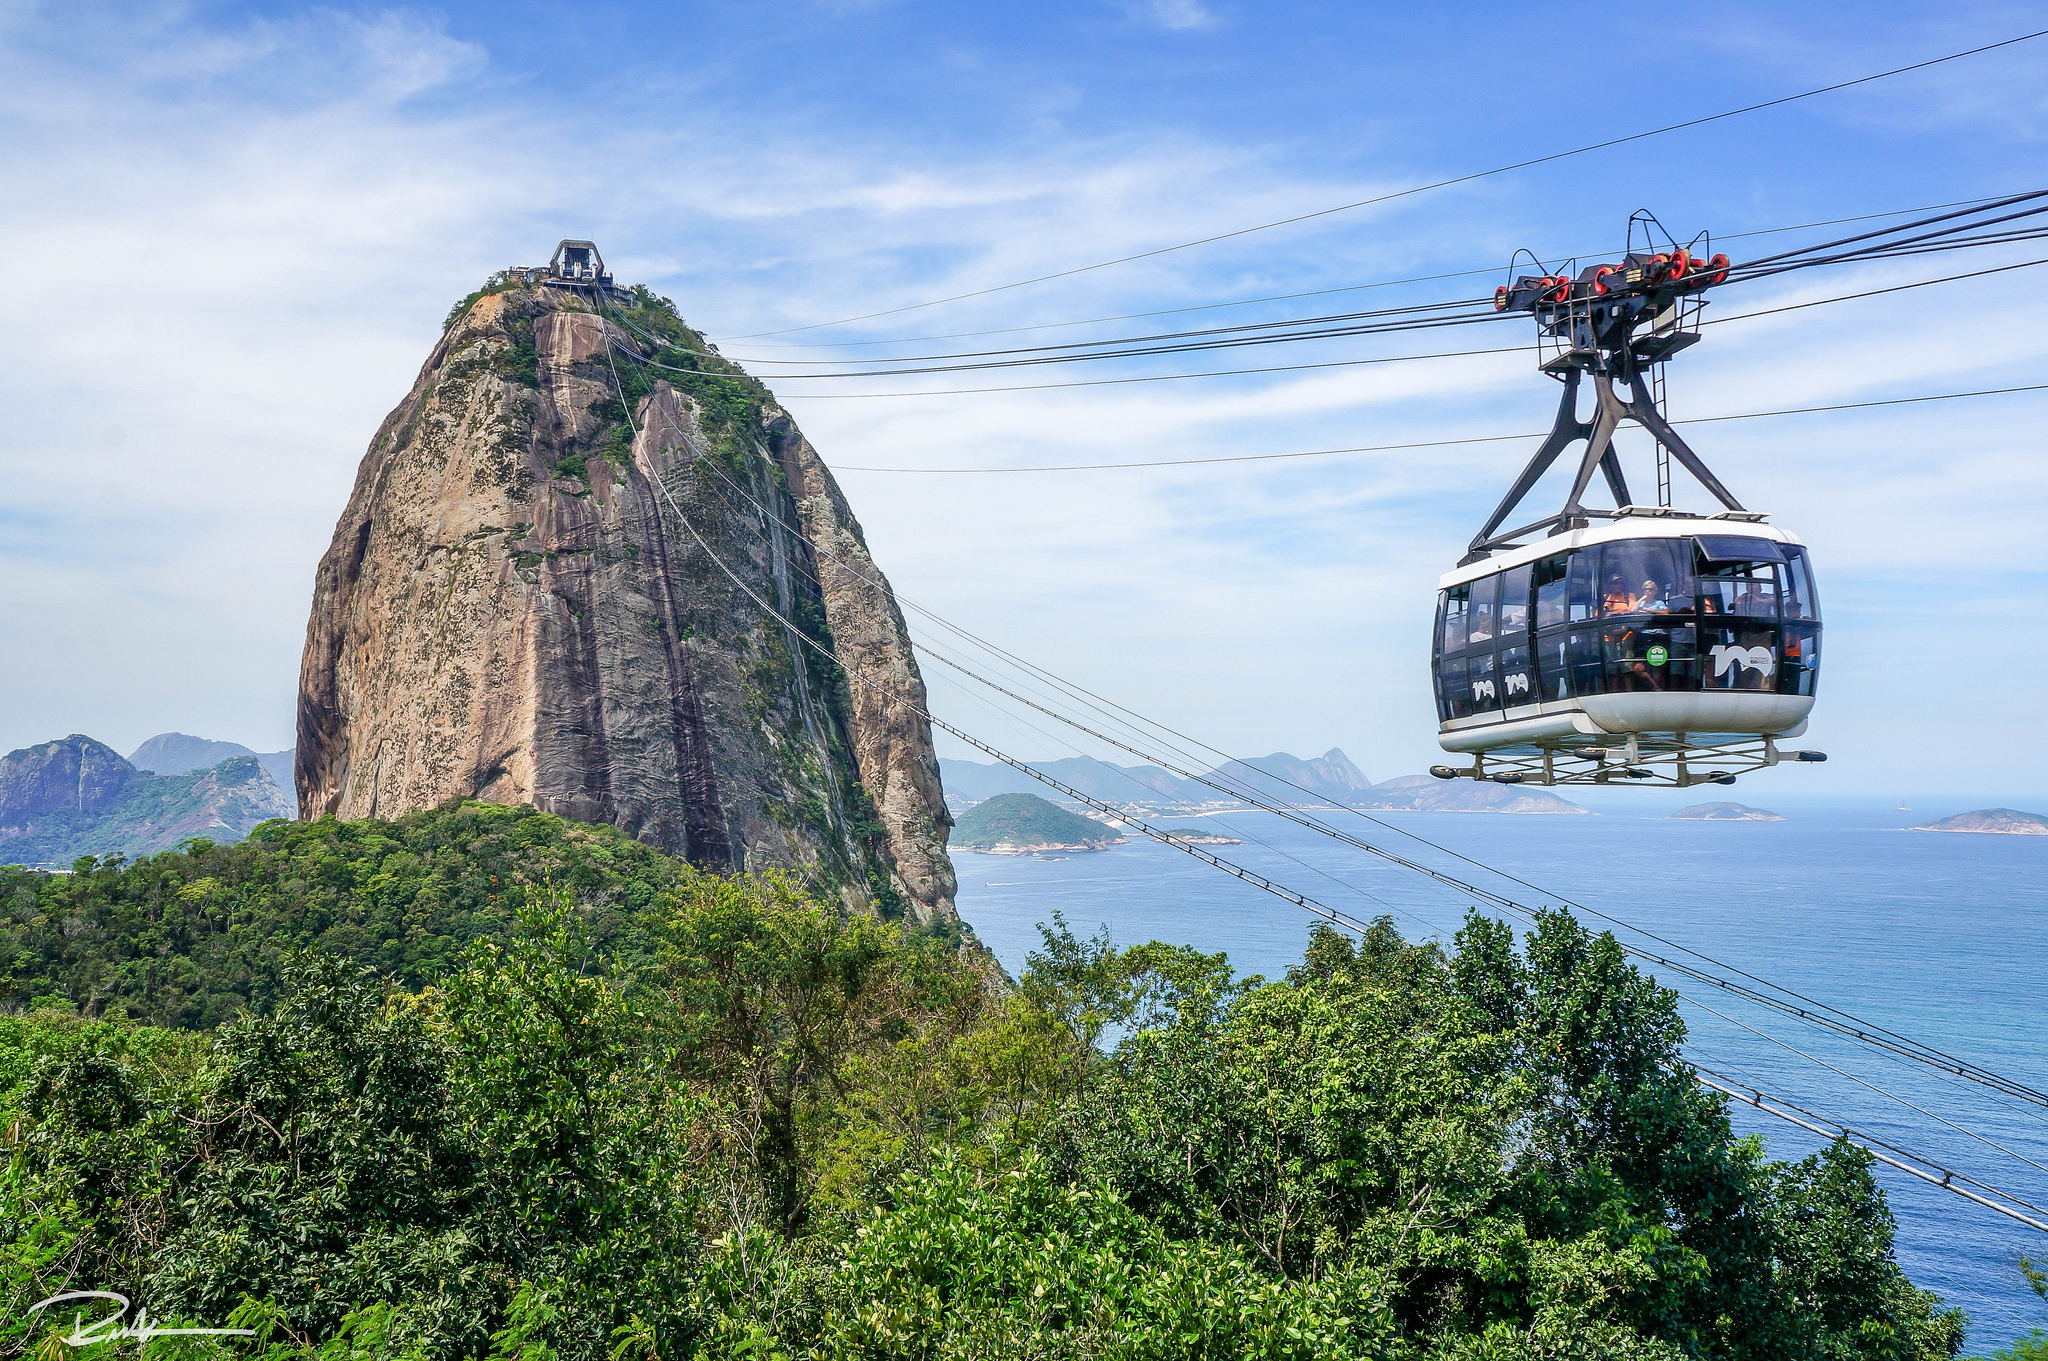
x=1174, y=15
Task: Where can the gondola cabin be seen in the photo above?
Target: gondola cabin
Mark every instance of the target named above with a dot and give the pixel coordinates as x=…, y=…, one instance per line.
x=1613, y=644
x=1639, y=643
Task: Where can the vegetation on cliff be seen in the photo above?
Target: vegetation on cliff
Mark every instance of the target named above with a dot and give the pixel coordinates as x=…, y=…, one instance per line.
x=650, y=1112
x=1025, y=822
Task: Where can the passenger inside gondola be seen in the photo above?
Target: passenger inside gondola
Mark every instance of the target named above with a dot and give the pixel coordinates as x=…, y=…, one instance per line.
x=1628, y=668
x=1481, y=629
x=1617, y=599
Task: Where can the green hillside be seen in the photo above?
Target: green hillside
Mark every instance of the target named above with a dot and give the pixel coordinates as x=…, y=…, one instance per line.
x=187, y=939
x=511, y=1087
x=1027, y=822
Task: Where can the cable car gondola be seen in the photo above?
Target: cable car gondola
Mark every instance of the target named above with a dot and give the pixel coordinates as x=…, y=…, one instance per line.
x=1641, y=643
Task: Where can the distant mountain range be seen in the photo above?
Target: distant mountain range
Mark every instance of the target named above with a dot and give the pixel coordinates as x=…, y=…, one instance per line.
x=176, y=753
x=1331, y=777
x=75, y=796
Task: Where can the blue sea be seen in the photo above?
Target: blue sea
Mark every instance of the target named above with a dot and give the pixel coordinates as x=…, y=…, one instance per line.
x=1940, y=937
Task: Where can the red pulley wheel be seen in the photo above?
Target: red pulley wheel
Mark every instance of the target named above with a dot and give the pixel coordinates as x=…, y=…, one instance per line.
x=1500, y=298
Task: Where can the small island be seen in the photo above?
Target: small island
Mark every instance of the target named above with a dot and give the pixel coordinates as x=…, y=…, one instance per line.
x=1996, y=821
x=1024, y=824
x=1195, y=836
x=1726, y=812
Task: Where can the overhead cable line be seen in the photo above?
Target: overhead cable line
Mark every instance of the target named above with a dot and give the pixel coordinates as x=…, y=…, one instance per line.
x=1984, y=1195
x=1817, y=1014
x=1842, y=1021
x=1417, y=189
x=1326, y=292
x=1890, y=1154
x=1415, y=311
x=1872, y=1086
x=1349, y=363
x=1435, y=443
x=1414, y=317
x=1970, y=210
x=650, y=361
x=1417, y=318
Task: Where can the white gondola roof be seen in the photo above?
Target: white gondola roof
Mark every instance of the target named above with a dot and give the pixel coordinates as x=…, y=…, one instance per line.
x=1632, y=522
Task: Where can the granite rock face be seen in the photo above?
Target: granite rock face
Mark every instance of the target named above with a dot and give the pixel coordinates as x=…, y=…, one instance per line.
x=557, y=580
x=72, y=775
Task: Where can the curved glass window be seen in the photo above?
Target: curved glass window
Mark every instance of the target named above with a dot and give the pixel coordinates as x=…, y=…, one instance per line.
x=1585, y=593
x=1799, y=661
x=1649, y=656
x=1746, y=589
x=1482, y=683
x=1553, y=665
x=1799, y=599
x=1485, y=599
x=1553, y=586
x=1453, y=701
x=1644, y=576
x=1739, y=548
x=1514, y=604
x=1452, y=609
x=1517, y=681
x=1589, y=673
x=1742, y=656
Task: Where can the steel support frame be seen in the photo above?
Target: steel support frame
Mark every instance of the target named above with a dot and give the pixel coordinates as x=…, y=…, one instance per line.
x=1672, y=760
x=1598, y=433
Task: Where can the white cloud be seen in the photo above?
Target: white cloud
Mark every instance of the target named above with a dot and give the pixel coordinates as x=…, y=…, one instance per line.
x=1175, y=15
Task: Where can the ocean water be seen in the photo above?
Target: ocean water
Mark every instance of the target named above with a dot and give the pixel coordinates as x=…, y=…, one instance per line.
x=1940, y=937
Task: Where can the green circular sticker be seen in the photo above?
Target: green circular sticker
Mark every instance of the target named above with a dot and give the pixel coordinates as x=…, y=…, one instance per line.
x=1658, y=656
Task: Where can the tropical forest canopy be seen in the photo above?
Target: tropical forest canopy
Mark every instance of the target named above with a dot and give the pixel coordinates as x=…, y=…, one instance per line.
x=481, y=1082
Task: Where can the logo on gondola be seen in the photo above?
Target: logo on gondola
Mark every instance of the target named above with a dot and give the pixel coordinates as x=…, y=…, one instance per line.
x=1482, y=690
x=1727, y=657
x=1518, y=682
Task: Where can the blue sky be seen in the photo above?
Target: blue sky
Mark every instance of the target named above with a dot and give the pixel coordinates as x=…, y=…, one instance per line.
x=236, y=229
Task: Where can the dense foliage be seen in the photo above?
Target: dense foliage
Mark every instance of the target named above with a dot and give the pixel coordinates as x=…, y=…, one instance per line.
x=189, y=939
x=646, y=1112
